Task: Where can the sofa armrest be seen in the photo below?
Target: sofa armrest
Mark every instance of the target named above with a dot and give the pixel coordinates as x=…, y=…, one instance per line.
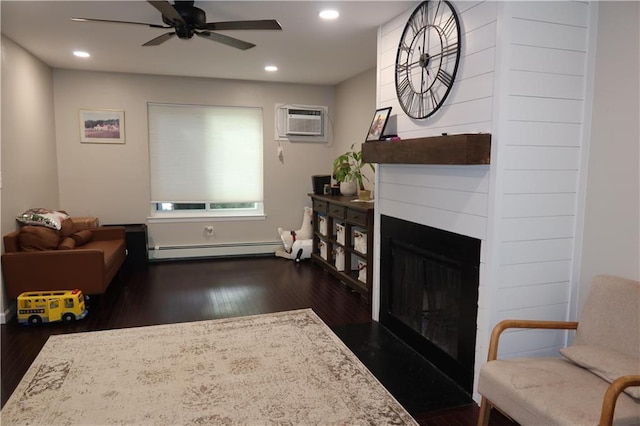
x=55, y=269
x=611, y=396
x=108, y=233
x=506, y=324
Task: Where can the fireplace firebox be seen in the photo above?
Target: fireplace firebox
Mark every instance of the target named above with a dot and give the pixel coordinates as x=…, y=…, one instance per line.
x=429, y=293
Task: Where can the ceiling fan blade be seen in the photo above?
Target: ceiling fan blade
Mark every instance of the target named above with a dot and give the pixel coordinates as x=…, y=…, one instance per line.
x=161, y=39
x=117, y=22
x=168, y=11
x=266, y=24
x=229, y=41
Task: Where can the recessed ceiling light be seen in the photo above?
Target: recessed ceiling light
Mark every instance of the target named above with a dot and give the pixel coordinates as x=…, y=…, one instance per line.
x=81, y=54
x=329, y=14
x=271, y=68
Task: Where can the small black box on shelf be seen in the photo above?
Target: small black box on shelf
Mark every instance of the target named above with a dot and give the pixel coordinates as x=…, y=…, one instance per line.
x=319, y=181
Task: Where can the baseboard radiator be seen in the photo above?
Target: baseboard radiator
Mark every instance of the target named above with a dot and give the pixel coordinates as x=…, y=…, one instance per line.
x=213, y=250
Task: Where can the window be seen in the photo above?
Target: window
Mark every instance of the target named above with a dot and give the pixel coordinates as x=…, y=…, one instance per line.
x=205, y=160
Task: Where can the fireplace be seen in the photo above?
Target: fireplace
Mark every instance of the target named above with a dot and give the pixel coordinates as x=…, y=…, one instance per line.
x=429, y=293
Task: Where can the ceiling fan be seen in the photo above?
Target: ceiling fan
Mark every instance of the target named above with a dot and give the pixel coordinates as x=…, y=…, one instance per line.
x=186, y=20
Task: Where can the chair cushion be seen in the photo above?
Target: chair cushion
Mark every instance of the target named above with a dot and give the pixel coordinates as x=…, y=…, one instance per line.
x=611, y=315
x=550, y=391
x=605, y=363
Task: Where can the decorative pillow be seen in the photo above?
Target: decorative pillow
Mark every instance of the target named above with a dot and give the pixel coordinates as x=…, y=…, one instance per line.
x=43, y=217
x=82, y=237
x=85, y=222
x=67, y=227
x=604, y=363
x=38, y=238
x=67, y=243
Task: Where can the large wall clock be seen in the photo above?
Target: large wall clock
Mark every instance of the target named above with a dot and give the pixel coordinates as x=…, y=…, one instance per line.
x=427, y=58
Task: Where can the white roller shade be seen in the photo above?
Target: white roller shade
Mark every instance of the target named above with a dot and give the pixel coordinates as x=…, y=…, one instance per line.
x=205, y=153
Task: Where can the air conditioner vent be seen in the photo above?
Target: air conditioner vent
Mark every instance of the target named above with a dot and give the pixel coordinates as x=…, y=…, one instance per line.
x=307, y=122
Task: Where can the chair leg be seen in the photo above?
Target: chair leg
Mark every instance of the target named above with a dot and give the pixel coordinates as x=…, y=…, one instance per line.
x=485, y=411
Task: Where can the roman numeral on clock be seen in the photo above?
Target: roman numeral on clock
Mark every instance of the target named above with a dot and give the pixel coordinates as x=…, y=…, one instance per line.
x=449, y=26
x=433, y=98
x=449, y=50
x=444, y=77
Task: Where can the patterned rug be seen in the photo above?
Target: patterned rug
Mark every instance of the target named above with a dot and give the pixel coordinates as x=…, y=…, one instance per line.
x=286, y=368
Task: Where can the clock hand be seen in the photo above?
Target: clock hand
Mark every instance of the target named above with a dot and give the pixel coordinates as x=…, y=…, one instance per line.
x=422, y=67
x=424, y=40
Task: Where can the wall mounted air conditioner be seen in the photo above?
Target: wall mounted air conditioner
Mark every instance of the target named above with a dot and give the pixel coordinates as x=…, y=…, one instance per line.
x=305, y=122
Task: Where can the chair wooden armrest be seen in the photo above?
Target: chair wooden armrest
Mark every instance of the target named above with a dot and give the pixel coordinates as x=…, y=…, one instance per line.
x=506, y=324
x=611, y=396
x=483, y=417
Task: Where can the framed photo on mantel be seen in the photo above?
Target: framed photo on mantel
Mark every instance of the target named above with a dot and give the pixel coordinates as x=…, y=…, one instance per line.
x=376, y=130
x=101, y=126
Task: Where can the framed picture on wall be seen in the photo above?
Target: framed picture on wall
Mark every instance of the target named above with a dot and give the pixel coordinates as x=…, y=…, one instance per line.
x=101, y=126
x=376, y=130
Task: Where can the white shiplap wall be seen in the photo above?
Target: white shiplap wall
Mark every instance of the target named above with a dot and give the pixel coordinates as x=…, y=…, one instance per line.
x=522, y=78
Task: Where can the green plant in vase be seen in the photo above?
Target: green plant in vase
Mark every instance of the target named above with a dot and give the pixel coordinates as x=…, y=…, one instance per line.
x=347, y=170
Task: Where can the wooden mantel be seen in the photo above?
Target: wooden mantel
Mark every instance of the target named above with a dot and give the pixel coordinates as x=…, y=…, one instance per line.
x=466, y=149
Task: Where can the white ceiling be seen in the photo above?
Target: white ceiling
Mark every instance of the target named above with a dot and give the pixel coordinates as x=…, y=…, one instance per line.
x=307, y=50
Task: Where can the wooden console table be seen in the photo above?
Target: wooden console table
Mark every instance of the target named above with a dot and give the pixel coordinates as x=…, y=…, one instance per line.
x=339, y=225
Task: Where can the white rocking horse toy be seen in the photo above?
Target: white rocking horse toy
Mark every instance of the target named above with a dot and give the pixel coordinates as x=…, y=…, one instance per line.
x=298, y=244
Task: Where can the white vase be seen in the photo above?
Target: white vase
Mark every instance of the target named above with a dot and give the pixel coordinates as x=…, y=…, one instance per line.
x=348, y=188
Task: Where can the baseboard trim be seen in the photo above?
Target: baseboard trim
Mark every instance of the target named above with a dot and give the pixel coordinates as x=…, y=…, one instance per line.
x=213, y=250
x=9, y=313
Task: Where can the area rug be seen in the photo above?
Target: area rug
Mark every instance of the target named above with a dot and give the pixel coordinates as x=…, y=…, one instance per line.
x=286, y=369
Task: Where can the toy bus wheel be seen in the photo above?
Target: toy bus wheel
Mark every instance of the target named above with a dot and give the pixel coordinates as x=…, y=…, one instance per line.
x=35, y=320
x=68, y=317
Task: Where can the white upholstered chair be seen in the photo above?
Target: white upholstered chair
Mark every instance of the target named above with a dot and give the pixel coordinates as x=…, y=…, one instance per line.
x=595, y=382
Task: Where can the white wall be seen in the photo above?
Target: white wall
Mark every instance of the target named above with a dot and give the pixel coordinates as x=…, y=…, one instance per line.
x=355, y=106
x=46, y=165
x=611, y=243
x=523, y=78
x=28, y=150
x=112, y=181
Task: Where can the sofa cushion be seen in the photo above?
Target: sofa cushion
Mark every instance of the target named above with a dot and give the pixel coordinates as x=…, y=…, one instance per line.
x=66, y=228
x=67, y=243
x=82, y=237
x=550, y=391
x=84, y=222
x=43, y=217
x=611, y=317
x=37, y=238
x=604, y=363
x=110, y=248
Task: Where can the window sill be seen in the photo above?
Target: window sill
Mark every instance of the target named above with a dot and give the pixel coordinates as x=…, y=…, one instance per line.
x=203, y=217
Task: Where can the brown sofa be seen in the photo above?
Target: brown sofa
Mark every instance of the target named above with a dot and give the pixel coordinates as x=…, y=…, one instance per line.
x=89, y=267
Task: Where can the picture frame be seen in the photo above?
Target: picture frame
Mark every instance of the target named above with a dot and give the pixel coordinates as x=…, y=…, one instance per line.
x=379, y=122
x=102, y=126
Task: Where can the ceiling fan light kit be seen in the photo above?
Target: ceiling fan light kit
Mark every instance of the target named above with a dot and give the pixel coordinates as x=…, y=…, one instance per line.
x=186, y=20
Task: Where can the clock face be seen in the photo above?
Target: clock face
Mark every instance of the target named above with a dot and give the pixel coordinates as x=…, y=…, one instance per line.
x=427, y=58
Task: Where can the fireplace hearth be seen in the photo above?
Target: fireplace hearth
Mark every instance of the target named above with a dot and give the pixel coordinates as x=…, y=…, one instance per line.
x=429, y=293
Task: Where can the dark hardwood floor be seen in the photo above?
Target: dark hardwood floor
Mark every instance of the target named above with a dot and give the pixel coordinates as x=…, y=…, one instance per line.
x=181, y=291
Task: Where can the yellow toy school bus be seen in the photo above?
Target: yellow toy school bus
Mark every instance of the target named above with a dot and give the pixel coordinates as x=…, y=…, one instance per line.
x=36, y=307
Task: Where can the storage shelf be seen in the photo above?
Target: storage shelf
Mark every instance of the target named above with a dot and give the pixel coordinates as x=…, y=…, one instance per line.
x=352, y=216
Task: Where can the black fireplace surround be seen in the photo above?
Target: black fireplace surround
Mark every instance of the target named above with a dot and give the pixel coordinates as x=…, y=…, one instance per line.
x=429, y=293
